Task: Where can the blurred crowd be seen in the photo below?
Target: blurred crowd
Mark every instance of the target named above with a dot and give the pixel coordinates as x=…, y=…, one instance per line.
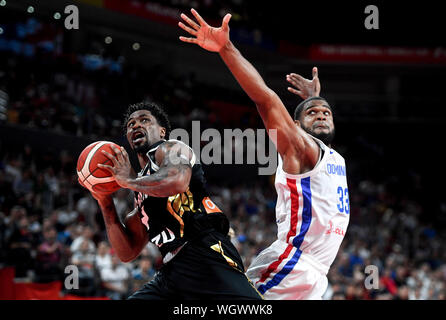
x=62, y=96
x=51, y=89
x=47, y=222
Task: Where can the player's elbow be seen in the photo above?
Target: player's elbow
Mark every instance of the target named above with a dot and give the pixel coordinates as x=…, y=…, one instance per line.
x=125, y=259
x=180, y=184
x=128, y=257
x=131, y=252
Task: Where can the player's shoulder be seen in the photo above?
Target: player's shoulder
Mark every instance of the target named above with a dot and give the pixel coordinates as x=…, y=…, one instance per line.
x=171, y=143
x=179, y=148
x=335, y=153
x=328, y=149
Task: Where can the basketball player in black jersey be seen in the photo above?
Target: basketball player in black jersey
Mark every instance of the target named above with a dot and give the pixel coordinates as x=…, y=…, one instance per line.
x=173, y=210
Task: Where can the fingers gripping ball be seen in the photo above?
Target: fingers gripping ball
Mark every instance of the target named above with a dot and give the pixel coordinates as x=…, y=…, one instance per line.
x=90, y=176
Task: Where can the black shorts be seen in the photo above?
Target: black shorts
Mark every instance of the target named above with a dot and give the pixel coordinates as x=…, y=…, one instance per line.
x=209, y=268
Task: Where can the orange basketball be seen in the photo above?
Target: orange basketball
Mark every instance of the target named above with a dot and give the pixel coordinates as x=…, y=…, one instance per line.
x=90, y=176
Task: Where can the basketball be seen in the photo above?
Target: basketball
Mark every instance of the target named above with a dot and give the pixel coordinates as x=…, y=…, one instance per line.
x=90, y=176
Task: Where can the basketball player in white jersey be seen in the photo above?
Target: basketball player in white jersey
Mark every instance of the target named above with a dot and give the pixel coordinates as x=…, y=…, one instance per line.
x=312, y=208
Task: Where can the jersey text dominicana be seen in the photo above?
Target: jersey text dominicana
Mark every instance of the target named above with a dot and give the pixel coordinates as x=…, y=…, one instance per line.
x=313, y=208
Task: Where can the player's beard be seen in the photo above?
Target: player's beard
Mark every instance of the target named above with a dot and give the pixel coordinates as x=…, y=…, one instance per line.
x=326, y=138
x=142, y=149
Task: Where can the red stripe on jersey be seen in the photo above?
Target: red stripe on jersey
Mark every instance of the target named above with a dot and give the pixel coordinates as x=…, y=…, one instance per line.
x=273, y=266
x=294, y=208
x=294, y=195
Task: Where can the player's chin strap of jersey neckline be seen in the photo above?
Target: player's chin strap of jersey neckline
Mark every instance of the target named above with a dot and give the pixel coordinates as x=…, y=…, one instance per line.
x=151, y=161
x=155, y=145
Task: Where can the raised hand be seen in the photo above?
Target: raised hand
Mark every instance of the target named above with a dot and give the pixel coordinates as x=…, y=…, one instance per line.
x=207, y=37
x=304, y=88
x=121, y=170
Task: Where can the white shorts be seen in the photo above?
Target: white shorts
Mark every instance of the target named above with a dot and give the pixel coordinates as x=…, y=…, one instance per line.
x=282, y=272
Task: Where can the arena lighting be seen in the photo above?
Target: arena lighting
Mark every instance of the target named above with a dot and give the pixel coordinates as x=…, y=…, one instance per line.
x=3, y=3
x=108, y=40
x=30, y=9
x=57, y=16
x=136, y=46
x=1, y=30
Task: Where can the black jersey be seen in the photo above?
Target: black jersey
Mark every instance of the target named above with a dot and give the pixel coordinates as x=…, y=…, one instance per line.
x=172, y=221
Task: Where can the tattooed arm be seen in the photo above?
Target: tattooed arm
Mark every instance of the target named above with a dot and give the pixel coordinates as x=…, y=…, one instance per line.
x=174, y=173
x=130, y=237
x=173, y=176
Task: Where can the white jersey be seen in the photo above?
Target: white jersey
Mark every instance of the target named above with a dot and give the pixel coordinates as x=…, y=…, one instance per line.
x=312, y=215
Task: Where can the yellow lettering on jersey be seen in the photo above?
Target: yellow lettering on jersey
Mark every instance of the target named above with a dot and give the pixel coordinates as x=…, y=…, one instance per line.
x=217, y=247
x=178, y=204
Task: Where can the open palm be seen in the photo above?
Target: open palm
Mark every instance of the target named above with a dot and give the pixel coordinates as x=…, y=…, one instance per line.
x=207, y=37
x=303, y=87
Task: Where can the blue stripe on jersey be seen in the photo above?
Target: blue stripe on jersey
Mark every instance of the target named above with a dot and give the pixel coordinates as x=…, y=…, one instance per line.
x=306, y=212
x=297, y=241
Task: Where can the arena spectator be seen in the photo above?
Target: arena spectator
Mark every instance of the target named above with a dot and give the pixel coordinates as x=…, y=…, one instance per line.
x=103, y=257
x=403, y=293
x=87, y=207
x=115, y=279
x=143, y=273
x=49, y=257
x=21, y=248
x=84, y=259
x=85, y=237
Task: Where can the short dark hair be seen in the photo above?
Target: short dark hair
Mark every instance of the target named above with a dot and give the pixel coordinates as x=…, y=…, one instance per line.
x=300, y=107
x=156, y=111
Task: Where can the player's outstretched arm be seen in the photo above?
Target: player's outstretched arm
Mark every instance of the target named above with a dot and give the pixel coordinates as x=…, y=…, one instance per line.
x=217, y=40
x=128, y=238
x=291, y=140
x=304, y=88
x=172, y=177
